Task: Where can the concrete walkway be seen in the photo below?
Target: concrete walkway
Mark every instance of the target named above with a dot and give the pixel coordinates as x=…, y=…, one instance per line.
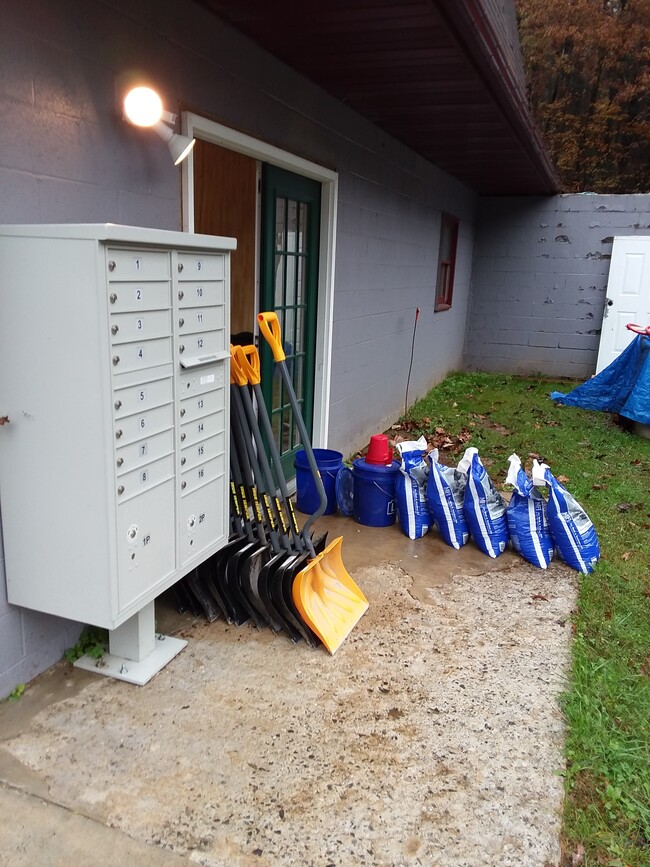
x=432, y=737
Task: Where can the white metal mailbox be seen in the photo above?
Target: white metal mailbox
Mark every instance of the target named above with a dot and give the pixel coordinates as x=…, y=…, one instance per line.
x=114, y=374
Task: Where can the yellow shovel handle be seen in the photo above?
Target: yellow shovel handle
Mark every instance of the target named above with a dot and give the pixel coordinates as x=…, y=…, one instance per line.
x=237, y=375
x=249, y=362
x=270, y=328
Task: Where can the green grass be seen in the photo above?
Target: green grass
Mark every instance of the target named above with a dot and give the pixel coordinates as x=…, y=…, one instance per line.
x=607, y=701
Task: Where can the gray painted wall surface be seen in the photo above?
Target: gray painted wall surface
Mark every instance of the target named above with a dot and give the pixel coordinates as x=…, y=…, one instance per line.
x=539, y=280
x=67, y=156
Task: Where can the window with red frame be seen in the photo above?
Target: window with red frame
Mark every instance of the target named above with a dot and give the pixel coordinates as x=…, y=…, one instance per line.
x=446, y=262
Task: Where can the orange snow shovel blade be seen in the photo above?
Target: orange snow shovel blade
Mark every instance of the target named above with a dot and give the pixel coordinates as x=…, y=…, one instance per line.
x=327, y=598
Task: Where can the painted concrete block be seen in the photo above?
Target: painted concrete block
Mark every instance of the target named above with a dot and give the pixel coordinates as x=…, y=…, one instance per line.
x=11, y=638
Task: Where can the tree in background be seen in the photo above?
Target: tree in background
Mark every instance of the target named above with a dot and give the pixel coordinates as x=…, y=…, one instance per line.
x=588, y=69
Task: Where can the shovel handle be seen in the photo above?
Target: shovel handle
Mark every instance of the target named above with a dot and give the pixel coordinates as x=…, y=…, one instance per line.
x=249, y=363
x=236, y=373
x=270, y=328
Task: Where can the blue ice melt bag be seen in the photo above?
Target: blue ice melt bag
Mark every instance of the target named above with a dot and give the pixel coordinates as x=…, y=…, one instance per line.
x=445, y=492
x=485, y=509
x=573, y=533
x=410, y=489
x=526, y=518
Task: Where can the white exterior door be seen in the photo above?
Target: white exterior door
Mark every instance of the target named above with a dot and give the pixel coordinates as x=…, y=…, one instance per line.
x=628, y=296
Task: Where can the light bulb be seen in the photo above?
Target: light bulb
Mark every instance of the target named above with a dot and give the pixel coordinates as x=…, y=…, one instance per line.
x=143, y=106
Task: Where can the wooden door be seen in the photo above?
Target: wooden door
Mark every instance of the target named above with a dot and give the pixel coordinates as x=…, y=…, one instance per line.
x=225, y=202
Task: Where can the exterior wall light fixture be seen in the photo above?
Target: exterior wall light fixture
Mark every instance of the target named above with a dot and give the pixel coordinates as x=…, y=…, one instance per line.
x=143, y=107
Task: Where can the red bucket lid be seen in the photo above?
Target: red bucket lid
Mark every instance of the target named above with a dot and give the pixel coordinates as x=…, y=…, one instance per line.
x=379, y=451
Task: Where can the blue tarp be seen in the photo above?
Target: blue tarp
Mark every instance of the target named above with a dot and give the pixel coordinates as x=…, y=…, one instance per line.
x=622, y=387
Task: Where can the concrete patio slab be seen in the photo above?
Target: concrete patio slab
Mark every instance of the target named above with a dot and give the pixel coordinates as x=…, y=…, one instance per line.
x=432, y=737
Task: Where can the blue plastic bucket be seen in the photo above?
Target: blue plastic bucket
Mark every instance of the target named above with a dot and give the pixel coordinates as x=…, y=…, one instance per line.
x=374, y=493
x=329, y=463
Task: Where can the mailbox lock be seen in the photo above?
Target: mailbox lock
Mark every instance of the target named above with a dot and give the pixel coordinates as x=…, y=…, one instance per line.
x=111, y=265
x=181, y=295
x=182, y=413
x=114, y=329
x=112, y=297
x=183, y=437
x=181, y=322
x=117, y=404
x=181, y=348
x=180, y=267
x=120, y=490
x=118, y=434
x=120, y=461
x=183, y=485
x=116, y=360
x=183, y=461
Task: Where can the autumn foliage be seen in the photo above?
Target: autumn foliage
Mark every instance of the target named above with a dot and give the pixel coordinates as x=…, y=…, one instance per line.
x=588, y=70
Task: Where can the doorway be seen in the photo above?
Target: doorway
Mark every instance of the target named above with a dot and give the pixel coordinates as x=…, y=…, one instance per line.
x=258, y=152
x=628, y=296
x=289, y=287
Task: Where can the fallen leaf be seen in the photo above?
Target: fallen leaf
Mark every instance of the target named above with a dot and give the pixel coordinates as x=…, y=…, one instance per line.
x=552, y=423
x=599, y=487
x=626, y=555
x=624, y=507
x=440, y=431
x=578, y=856
x=563, y=479
x=539, y=596
x=533, y=455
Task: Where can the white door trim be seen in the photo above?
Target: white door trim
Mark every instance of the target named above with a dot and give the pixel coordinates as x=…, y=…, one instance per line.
x=207, y=130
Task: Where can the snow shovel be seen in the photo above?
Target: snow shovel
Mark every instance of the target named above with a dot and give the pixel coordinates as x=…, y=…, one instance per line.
x=284, y=558
x=242, y=569
x=324, y=593
x=276, y=584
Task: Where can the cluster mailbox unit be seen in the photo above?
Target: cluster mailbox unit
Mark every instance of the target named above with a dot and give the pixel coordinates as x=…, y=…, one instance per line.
x=114, y=377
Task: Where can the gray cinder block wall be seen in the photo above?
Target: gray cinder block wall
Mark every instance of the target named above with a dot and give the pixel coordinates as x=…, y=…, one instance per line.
x=66, y=155
x=539, y=280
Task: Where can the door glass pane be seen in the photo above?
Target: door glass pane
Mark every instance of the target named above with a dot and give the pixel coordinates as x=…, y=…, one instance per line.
x=298, y=367
x=300, y=280
x=292, y=226
x=290, y=297
x=279, y=280
x=280, y=213
x=302, y=228
x=289, y=331
x=300, y=329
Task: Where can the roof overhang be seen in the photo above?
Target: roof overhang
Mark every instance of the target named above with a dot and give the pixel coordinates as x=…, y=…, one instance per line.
x=438, y=75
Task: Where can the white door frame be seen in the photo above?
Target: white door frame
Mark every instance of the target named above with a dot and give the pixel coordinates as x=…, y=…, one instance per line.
x=199, y=127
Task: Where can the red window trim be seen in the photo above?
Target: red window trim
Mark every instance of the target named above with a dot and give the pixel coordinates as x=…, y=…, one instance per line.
x=446, y=267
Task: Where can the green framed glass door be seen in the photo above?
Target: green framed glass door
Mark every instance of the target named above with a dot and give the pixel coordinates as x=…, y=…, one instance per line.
x=289, y=286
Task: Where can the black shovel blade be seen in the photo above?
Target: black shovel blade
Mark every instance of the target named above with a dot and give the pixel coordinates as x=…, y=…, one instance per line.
x=248, y=575
x=216, y=580
x=194, y=580
x=319, y=542
x=233, y=567
x=283, y=598
x=266, y=580
x=195, y=605
x=182, y=597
